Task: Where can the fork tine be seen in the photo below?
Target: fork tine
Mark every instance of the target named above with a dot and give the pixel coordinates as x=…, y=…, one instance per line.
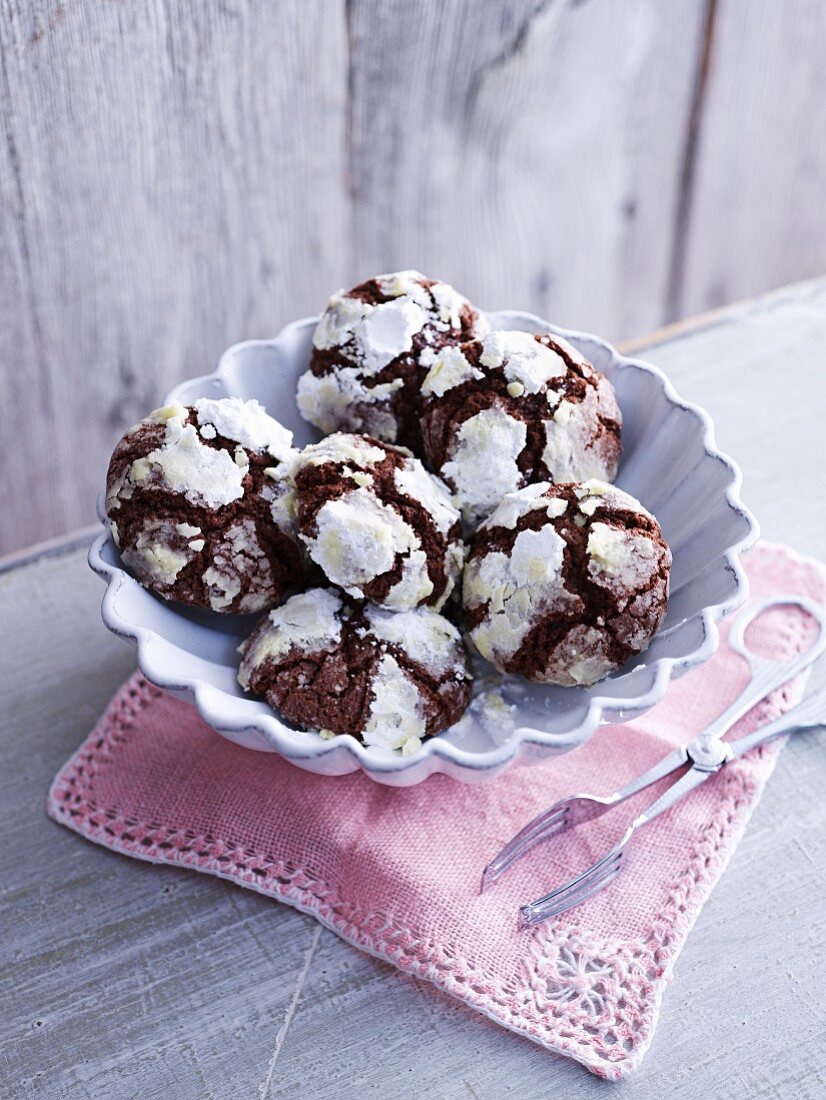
x=547, y=824
x=529, y=915
x=539, y=823
x=574, y=892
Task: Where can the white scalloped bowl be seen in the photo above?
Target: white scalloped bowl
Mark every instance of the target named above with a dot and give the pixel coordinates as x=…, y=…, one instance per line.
x=669, y=462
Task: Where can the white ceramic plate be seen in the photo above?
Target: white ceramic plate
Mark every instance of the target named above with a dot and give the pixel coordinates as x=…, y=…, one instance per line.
x=669, y=462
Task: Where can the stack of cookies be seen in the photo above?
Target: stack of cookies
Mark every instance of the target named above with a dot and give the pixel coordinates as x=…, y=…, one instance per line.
x=460, y=496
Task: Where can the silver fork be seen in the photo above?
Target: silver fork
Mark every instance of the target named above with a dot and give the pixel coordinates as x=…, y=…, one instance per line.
x=694, y=763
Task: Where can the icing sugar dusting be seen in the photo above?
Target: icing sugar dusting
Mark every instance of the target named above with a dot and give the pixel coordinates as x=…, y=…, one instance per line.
x=515, y=589
x=339, y=321
x=524, y=358
x=425, y=636
x=450, y=369
x=183, y=463
x=530, y=498
x=341, y=400
x=342, y=448
x=593, y=663
x=620, y=559
x=375, y=335
x=310, y=622
x=415, y=584
x=358, y=539
x=479, y=481
x=239, y=553
x=157, y=553
x=366, y=337
x=414, y=481
x=396, y=715
x=568, y=454
x=388, y=332
x=595, y=493
x=245, y=422
x=449, y=304
x=407, y=283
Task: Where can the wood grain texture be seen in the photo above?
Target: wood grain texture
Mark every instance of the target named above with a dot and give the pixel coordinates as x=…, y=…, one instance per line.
x=172, y=176
x=755, y=214
x=120, y=979
x=530, y=153
x=176, y=176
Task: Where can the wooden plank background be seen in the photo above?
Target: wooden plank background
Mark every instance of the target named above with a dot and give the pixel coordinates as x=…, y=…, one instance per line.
x=176, y=176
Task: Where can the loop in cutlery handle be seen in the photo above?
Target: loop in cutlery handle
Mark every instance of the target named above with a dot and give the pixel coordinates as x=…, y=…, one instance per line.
x=767, y=673
x=811, y=712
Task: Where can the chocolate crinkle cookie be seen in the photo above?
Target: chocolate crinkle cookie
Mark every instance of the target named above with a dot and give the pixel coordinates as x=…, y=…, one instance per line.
x=375, y=521
x=195, y=510
x=510, y=409
x=565, y=582
x=330, y=664
x=372, y=348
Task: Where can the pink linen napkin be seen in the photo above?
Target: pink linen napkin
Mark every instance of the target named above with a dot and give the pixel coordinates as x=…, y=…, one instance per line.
x=396, y=871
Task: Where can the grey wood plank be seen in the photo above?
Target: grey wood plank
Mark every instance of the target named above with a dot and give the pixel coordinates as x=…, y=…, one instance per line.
x=173, y=181
x=175, y=177
x=732, y=366
x=119, y=979
x=755, y=212
x=514, y=155
x=116, y=978
x=54, y=547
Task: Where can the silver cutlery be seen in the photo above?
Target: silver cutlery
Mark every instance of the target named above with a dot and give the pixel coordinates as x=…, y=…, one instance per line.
x=691, y=765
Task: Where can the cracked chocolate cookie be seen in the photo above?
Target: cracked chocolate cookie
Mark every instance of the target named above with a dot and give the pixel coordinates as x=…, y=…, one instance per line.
x=194, y=508
x=511, y=409
x=371, y=350
x=564, y=583
x=330, y=664
x=375, y=521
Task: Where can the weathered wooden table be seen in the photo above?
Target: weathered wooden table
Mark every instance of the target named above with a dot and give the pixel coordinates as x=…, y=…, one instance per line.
x=121, y=979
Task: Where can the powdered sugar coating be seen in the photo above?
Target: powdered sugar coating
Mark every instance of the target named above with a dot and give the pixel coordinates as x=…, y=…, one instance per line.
x=376, y=522
x=414, y=481
x=341, y=400
x=336, y=666
x=357, y=539
x=238, y=562
x=159, y=551
x=372, y=347
x=483, y=465
x=342, y=448
x=426, y=637
x=515, y=505
x=245, y=422
x=450, y=369
x=524, y=359
x=186, y=494
x=309, y=622
x=278, y=495
x=596, y=493
x=516, y=587
x=564, y=583
x=510, y=409
x=396, y=716
x=184, y=464
x=569, y=451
